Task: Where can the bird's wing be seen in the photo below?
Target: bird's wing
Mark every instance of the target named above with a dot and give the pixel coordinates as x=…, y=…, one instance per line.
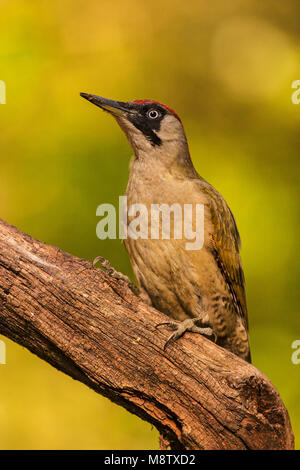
x=226, y=243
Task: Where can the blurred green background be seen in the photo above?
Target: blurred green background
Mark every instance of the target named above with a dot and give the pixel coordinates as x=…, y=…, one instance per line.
x=227, y=69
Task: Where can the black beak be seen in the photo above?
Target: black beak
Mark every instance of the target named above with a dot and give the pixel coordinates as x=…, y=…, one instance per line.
x=117, y=108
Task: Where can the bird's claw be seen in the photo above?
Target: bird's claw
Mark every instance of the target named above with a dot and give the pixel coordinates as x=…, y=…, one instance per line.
x=186, y=325
x=172, y=324
x=115, y=274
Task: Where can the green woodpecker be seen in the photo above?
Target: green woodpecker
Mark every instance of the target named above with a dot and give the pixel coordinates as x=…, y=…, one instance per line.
x=202, y=288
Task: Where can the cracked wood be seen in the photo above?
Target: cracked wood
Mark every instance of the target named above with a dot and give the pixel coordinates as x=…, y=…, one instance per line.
x=93, y=328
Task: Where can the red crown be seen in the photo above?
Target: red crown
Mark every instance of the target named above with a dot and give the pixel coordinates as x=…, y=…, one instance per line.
x=161, y=104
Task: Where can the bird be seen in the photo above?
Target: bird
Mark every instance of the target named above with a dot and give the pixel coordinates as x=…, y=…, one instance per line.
x=202, y=290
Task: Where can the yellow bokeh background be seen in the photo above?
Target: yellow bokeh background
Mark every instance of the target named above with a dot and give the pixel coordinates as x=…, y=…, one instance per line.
x=227, y=68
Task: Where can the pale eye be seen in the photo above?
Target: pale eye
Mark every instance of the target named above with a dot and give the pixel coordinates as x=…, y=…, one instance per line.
x=153, y=114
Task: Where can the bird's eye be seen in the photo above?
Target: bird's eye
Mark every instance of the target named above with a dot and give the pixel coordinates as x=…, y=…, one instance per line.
x=153, y=114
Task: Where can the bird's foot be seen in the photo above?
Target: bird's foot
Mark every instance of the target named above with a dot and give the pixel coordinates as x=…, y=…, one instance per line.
x=189, y=324
x=115, y=274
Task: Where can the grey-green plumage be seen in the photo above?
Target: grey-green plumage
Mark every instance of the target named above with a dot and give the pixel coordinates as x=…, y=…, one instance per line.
x=207, y=283
x=203, y=288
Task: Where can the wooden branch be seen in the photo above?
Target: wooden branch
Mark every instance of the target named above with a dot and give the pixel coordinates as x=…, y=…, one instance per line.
x=92, y=327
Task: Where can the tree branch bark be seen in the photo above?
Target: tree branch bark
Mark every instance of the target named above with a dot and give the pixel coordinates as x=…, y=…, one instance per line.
x=92, y=327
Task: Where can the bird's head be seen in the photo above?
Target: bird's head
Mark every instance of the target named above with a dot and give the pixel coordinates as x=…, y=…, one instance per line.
x=152, y=128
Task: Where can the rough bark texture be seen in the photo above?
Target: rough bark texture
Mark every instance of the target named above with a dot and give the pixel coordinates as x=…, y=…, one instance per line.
x=92, y=327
